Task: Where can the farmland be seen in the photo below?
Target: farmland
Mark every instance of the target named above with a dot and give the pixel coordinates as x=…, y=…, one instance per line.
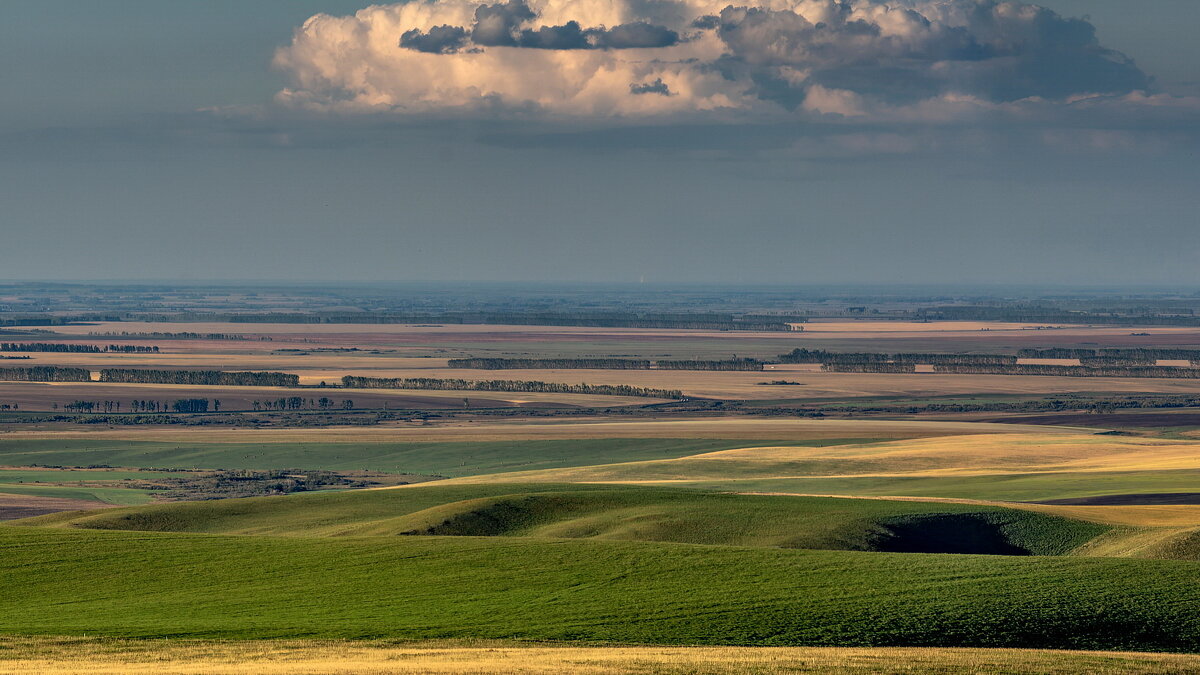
x=788, y=516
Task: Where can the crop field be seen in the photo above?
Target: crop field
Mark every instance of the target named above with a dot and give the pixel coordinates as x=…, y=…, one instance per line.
x=60, y=656
x=632, y=540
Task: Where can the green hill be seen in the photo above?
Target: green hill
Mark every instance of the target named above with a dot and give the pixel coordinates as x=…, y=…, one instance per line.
x=73, y=581
x=614, y=512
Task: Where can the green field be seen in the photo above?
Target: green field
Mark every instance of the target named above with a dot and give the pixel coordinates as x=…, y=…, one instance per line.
x=603, y=512
x=998, y=487
x=166, y=584
x=443, y=458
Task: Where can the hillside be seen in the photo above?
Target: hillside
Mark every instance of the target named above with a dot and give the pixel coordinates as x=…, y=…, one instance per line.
x=619, y=513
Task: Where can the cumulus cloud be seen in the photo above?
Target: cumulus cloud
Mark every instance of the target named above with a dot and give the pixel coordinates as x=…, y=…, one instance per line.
x=846, y=58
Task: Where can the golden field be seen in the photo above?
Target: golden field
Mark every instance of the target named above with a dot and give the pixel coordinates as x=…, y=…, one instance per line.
x=60, y=656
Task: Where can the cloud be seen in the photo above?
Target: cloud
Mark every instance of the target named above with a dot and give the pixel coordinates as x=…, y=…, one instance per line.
x=812, y=59
x=655, y=87
x=439, y=39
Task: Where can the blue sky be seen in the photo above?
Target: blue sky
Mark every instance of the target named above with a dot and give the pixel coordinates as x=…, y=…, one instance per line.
x=145, y=139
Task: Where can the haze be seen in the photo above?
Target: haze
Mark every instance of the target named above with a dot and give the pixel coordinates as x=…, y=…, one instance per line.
x=888, y=141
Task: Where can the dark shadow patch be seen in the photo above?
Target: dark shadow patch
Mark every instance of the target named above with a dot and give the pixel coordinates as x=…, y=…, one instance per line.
x=966, y=533
x=1147, y=499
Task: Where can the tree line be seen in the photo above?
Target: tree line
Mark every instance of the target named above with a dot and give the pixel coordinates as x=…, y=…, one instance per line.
x=45, y=374
x=206, y=377
x=702, y=321
x=1072, y=371
x=852, y=358
x=539, y=364
x=177, y=336
x=603, y=364
x=869, y=367
x=354, y=382
x=58, y=347
x=728, y=364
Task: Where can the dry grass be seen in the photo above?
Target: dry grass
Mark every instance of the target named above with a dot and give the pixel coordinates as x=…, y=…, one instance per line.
x=964, y=455
x=59, y=656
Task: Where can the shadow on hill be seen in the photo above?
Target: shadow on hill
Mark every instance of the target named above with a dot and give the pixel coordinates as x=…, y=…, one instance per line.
x=975, y=533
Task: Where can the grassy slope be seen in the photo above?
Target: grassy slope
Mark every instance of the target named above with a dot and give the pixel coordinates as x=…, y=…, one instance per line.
x=1003, y=487
x=165, y=584
x=629, y=513
x=447, y=459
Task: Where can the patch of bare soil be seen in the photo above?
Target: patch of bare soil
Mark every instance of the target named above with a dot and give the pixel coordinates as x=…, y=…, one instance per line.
x=27, y=506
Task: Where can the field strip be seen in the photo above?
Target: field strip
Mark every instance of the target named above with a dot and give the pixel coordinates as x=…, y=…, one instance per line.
x=1132, y=515
x=26, y=656
x=731, y=427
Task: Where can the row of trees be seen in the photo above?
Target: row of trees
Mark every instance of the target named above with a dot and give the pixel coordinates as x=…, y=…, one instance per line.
x=176, y=336
x=603, y=364
x=298, y=403
x=59, y=347
x=1118, y=361
x=213, y=377
x=869, y=367
x=705, y=321
x=45, y=374
x=850, y=358
x=728, y=364
x=1073, y=371
x=540, y=364
x=353, y=382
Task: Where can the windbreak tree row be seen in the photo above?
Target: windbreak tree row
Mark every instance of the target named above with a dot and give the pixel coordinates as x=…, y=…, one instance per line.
x=540, y=364
x=75, y=348
x=207, y=377
x=45, y=374
x=850, y=358
x=354, y=382
x=1073, y=371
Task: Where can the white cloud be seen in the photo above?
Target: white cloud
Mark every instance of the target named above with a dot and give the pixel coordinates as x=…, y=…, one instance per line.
x=654, y=58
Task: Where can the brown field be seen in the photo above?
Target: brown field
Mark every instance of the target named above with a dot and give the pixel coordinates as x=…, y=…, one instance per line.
x=778, y=429
x=745, y=385
x=26, y=506
x=59, y=656
x=395, y=350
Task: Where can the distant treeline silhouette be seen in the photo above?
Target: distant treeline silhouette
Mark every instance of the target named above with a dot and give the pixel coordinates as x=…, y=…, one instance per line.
x=1117, y=361
x=704, y=321
x=538, y=364
x=45, y=374
x=851, y=358
x=603, y=364
x=74, y=348
x=214, y=377
x=869, y=367
x=1145, y=355
x=175, y=336
x=1025, y=313
x=729, y=364
x=1072, y=371
x=353, y=382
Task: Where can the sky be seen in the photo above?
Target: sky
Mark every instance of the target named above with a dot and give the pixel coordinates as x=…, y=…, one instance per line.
x=774, y=141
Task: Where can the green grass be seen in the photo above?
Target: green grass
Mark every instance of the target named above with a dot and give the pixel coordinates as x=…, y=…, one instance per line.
x=164, y=584
x=74, y=476
x=1001, y=487
x=445, y=459
x=118, y=496
x=605, y=512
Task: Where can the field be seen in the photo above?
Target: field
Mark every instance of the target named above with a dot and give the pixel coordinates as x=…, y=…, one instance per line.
x=535, y=533
x=58, y=656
